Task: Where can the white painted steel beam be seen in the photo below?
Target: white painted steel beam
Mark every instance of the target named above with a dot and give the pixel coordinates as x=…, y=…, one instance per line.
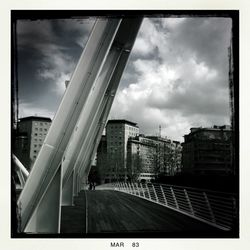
x=47, y=214
x=21, y=178
x=87, y=151
x=85, y=165
x=87, y=145
x=75, y=191
x=50, y=155
x=109, y=80
x=89, y=115
x=67, y=191
x=21, y=171
x=81, y=139
x=77, y=127
x=20, y=166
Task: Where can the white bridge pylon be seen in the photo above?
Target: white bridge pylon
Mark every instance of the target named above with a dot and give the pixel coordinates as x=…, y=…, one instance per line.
x=65, y=158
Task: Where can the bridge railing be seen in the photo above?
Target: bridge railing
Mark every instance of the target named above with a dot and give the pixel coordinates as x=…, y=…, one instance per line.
x=214, y=208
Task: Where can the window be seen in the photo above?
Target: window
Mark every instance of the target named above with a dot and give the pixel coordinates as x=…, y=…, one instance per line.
x=35, y=151
x=35, y=134
x=41, y=124
x=35, y=145
x=36, y=129
x=41, y=129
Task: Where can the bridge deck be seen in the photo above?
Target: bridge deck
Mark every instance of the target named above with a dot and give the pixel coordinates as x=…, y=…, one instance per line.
x=115, y=214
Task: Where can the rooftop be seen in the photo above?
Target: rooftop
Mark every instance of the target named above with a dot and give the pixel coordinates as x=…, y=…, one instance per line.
x=119, y=121
x=158, y=138
x=35, y=118
x=214, y=128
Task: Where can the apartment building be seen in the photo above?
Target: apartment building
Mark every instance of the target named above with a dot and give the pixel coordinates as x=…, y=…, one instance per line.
x=117, y=133
x=31, y=133
x=208, y=151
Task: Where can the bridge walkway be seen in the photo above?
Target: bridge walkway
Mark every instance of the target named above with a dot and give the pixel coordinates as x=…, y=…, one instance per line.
x=106, y=213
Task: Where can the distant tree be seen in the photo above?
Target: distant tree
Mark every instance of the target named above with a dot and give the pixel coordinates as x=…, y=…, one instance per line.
x=137, y=166
x=156, y=159
x=169, y=160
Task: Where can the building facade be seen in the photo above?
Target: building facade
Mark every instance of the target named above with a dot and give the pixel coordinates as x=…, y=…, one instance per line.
x=141, y=158
x=168, y=156
x=31, y=133
x=117, y=134
x=123, y=154
x=153, y=156
x=102, y=164
x=208, y=151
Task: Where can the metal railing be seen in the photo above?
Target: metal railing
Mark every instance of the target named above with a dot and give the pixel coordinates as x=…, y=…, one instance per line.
x=214, y=208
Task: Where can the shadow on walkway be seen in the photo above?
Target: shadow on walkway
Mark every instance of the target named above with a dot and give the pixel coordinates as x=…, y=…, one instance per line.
x=112, y=214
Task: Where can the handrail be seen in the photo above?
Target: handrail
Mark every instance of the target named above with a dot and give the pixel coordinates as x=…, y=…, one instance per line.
x=216, y=209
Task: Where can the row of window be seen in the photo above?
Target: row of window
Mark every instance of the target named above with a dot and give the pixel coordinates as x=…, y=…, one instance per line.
x=132, y=134
x=116, y=143
x=41, y=123
x=120, y=127
x=35, y=139
x=40, y=134
x=111, y=127
x=112, y=137
x=41, y=129
x=133, y=129
x=115, y=150
x=146, y=175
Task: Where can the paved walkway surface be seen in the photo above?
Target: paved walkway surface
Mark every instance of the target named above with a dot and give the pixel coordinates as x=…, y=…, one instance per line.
x=103, y=213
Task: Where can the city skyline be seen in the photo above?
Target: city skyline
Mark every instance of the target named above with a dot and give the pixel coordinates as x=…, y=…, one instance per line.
x=176, y=77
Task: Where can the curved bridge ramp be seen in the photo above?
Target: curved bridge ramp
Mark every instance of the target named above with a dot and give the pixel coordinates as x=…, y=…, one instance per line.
x=106, y=213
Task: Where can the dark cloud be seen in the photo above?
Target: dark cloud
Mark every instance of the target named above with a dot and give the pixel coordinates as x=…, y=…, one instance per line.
x=176, y=76
x=207, y=39
x=48, y=51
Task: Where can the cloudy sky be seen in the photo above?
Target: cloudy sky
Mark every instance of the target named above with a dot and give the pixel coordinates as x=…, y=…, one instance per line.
x=176, y=76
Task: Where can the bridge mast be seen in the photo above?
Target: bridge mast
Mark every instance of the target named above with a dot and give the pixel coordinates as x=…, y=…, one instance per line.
x=76, y=130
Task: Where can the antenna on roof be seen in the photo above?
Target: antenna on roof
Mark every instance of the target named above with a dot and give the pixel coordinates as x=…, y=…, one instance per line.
x=159, y=130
